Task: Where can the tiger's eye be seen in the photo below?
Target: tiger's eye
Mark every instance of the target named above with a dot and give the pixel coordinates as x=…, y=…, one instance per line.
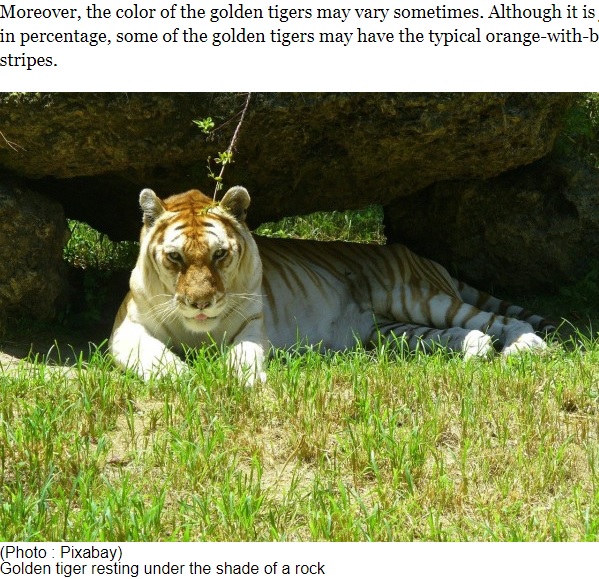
x=219, y=254
x=174, y=256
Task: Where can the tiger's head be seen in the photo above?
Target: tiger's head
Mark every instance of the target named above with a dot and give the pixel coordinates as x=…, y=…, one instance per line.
x=198, y=259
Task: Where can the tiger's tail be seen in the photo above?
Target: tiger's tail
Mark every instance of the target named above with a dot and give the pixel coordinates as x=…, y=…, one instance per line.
x=488, y=303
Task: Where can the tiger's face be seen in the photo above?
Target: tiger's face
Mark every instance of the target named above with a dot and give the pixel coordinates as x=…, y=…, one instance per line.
x=195, y=256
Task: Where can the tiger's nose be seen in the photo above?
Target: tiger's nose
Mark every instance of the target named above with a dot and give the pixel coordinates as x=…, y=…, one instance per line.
x=198, y=304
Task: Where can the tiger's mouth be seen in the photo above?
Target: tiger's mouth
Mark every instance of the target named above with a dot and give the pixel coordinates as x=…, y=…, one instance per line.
x=208, y=315
x=201, y=322
x=202, y=317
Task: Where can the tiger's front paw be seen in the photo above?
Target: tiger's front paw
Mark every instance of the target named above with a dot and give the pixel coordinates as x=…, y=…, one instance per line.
x=246, y=360
x=477, y=345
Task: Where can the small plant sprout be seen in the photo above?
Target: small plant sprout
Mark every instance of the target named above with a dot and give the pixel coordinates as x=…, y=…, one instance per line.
x=205, y=125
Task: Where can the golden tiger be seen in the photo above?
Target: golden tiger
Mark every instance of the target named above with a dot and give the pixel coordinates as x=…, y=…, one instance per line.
x=202, y=276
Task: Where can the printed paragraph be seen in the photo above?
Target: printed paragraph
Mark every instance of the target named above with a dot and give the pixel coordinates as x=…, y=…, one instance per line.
x=34, y=37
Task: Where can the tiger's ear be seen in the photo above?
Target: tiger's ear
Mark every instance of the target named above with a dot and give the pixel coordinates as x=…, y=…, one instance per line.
x=151, y=206
x=236, y=202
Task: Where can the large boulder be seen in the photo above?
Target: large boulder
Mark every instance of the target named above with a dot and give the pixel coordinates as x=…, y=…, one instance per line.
x=532, y=228
x=33, y=232
x=297, y=153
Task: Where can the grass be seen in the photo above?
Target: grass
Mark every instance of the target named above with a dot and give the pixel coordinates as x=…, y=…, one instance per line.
x=359, y=446
x=88, y=248
x=364, y=226
x=343, y=447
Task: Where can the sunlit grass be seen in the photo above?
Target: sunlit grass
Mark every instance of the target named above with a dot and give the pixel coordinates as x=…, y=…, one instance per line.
x=365, y=226
x=88, y=248
x=355, y=446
